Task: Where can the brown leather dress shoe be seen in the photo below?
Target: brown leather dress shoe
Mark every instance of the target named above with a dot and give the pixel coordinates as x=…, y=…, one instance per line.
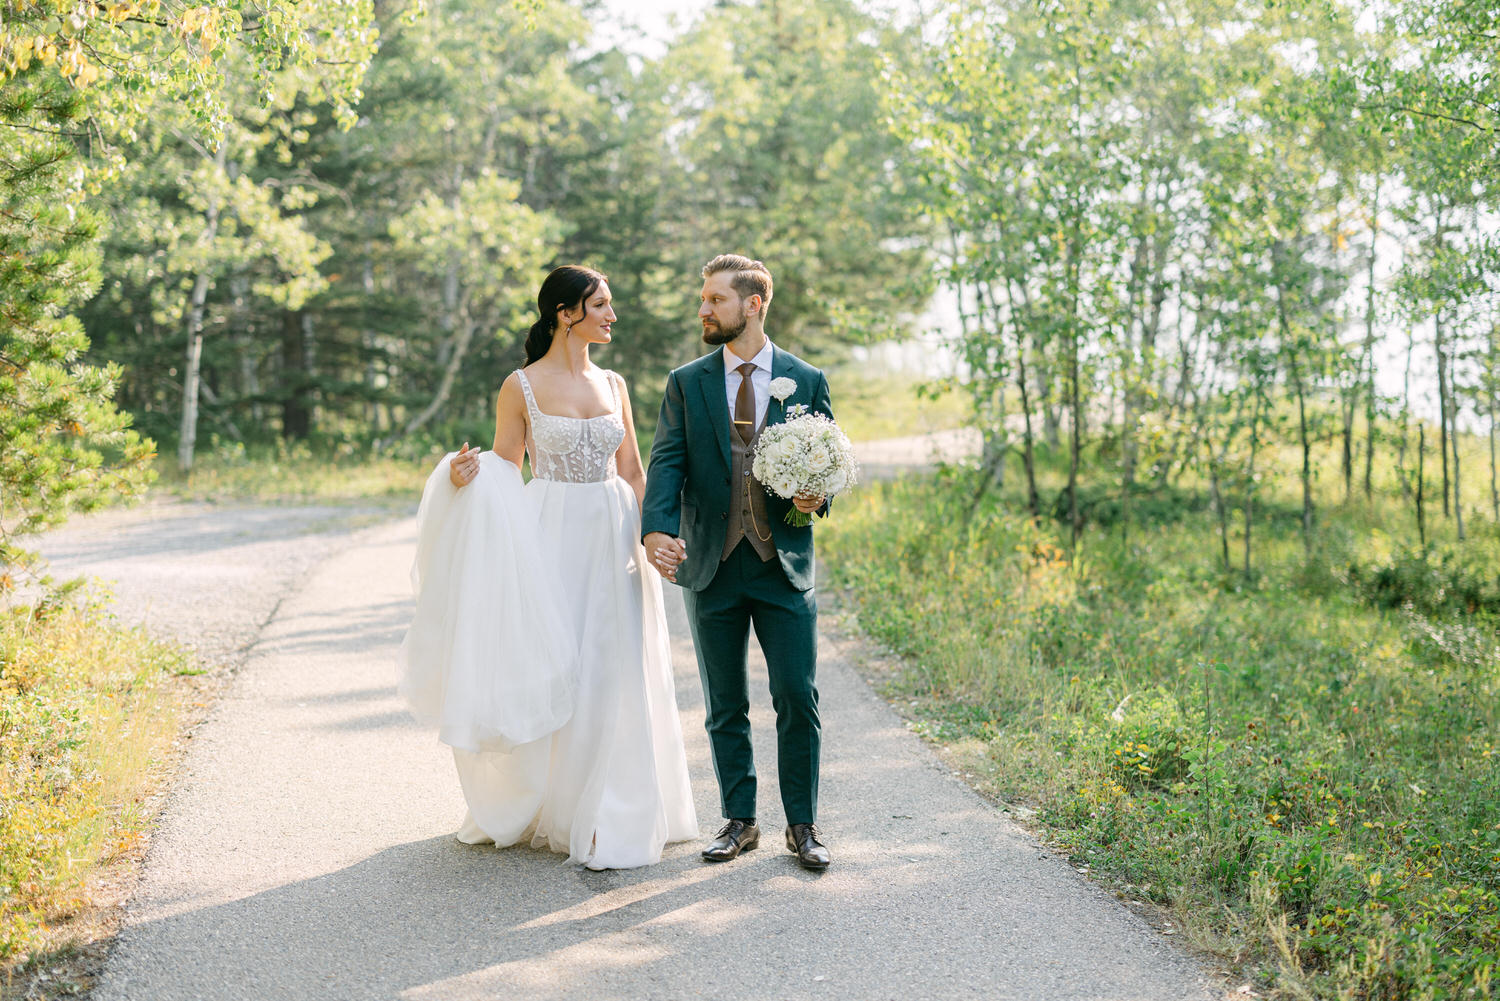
x=734, y=837
x=804, y=841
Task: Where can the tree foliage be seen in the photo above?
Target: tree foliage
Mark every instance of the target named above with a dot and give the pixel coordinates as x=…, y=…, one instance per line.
x=1162, y=221
x=76, y=82
x=1180, y=234
x=373, y=285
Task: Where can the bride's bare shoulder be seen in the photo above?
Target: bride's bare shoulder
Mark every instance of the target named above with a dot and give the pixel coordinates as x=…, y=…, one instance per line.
x=510, y=396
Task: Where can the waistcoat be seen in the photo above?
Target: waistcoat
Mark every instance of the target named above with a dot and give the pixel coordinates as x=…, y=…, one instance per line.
x=747, y=503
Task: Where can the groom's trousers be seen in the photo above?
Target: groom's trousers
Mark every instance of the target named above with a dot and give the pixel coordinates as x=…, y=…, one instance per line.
x=747, y=592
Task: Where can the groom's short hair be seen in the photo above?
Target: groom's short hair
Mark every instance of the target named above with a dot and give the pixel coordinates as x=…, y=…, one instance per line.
x=750, y=277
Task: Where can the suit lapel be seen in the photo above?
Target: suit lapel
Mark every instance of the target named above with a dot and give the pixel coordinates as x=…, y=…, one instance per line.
x=781, y=367
x=716, y=398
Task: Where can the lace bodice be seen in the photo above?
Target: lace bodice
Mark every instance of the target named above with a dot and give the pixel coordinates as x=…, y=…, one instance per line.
x=573, y=449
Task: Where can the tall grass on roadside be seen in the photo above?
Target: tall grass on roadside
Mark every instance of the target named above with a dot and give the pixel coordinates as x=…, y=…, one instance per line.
x=336, y=470
x=873, y=406
x=86, y=716
x=296, y=472
x=1303, y=771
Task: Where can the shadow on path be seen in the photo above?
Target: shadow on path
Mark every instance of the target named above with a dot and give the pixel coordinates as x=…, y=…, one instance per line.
x=437, y=919
x=307, y=856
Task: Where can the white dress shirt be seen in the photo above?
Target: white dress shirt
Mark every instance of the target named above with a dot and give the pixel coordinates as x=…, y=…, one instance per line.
x=760, y=380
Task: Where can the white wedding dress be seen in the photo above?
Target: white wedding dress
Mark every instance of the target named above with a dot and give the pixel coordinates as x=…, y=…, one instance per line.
x=539, y=649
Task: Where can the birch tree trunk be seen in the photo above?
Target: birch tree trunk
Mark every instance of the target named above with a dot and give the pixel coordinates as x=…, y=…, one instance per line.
x=1492, y=377
x=457, y=323
x=1421, y=483
x=1494, y=494
x=1014, y=291
x=462, y=337
x=1075, y=521
x=1028, y=450
x=1294, y=370
x=1220, y=513
x=996, y=435
x=1128, y=375
x=187, y=432
x=1250, y=476
x=1442, y=368
x=1370, y=343
x=1042, y=367
x=1307, y=498
x=1458, y=507
x=1411, y=345
x=1348, y=407
x=1072, y=267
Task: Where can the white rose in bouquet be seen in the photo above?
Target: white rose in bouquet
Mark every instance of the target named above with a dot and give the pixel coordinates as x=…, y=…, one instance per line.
x=819, y=458
x=806, y=455
x=777, y=453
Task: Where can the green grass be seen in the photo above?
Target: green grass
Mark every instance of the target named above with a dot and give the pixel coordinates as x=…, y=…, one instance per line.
x=1300, y=767
x=295, y=473
x=872, y=407
x=88, y=714
x=868, y=407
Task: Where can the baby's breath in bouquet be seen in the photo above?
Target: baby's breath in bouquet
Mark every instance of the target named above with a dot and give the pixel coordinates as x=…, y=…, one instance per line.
x=804, y=455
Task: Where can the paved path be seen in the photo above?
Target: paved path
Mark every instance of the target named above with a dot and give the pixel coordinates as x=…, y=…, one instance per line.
x=307, y=852
x=207, y=575
x=891, y=457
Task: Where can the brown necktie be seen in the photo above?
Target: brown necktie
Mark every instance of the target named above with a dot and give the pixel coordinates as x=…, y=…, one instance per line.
x=744, y=404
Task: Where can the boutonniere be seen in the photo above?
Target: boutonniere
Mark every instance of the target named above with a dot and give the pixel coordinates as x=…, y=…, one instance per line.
x=782, y=388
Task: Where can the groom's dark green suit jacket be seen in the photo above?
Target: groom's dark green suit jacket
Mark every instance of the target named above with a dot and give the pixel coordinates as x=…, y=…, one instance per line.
x=688, y=492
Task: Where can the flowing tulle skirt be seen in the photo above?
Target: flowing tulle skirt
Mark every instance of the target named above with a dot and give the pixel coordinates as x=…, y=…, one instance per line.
x=608, y=784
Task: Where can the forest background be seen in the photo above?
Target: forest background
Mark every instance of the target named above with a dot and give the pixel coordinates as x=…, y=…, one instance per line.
x=1226, y=322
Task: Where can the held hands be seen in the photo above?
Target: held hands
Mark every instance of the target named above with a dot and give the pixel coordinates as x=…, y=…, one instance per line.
x=665, y=552
x=464, y=466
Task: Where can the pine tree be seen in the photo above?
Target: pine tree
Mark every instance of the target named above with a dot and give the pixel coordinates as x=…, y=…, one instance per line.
x=63, y=444
x=75, y=82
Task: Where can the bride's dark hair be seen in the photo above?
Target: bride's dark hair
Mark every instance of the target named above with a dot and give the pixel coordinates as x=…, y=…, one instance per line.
x=565, y=287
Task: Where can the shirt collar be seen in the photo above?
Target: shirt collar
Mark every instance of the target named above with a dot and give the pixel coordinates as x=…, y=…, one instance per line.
x=762, y=358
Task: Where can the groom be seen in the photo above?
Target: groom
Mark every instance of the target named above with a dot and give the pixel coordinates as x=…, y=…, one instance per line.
x=710, y=526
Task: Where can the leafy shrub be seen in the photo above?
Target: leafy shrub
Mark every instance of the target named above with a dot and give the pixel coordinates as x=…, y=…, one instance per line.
x=1150, y=740
x=83, y=713
x=1433, y=583
x=1299, y=772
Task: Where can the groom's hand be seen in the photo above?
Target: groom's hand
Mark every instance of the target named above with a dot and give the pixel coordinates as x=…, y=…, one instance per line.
x=666, y=553
x=808, y=505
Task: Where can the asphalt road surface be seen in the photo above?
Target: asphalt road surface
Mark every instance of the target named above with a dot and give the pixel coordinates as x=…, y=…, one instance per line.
x=307, y=852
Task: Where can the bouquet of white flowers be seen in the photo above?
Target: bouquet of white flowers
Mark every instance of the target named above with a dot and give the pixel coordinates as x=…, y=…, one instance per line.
x=806, y=454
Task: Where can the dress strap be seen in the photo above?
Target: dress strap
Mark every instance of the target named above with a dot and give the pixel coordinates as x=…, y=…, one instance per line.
x=613, y=388
x=526, y=390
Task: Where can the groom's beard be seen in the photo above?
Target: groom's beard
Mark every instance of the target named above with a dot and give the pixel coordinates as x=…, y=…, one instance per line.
x=718, y=333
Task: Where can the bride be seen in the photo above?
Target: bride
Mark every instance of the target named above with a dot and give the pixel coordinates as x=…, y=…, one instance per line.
x=539, y=644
